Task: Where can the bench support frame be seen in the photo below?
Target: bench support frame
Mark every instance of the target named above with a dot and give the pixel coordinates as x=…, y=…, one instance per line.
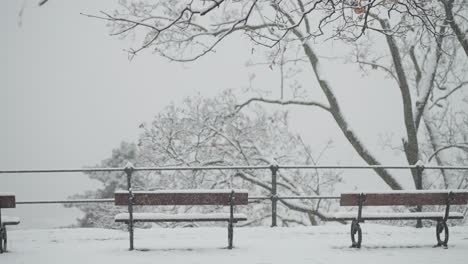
x=129, y=170
x=6, y=201
x=355, y=227
x=441, y=226
x=3, y=236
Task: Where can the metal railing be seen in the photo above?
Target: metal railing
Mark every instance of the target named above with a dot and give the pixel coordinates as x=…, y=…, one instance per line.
x=181, y=168
x=273, y=168
x=129, y=169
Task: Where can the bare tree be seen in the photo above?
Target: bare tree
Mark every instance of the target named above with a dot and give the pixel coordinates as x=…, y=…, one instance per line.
x=187, y=30
x=426, y=66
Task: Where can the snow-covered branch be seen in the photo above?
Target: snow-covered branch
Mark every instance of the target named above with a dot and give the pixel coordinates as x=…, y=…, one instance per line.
x=281, y=102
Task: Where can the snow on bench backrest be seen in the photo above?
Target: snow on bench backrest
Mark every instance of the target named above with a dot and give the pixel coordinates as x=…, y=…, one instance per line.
x=405, y=197
x=182, y=197
x=7, y=200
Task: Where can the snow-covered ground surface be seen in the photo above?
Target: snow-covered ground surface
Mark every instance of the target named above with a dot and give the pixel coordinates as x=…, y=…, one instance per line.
x=324, y=244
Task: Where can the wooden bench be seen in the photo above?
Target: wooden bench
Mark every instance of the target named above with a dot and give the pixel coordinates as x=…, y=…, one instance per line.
x=7, y=200
x=407, y=198
x=182, y=197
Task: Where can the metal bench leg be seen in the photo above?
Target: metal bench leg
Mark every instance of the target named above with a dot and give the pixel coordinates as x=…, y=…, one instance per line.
x=3, y=239
x=442, y=224
x=230, y=235
x=356, y=228
x=442, y=227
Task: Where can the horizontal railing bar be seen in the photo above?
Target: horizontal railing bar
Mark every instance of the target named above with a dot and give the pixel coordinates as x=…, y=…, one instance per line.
x=259, y=198
x=307, y=197
x=237, y=168
x=293, y=197
x=140, y=169
x=111, y=200
x=264, y=167
x=397, y=167
x=64, y=170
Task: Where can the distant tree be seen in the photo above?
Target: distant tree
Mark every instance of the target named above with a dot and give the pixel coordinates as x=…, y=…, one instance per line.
x=102, y=214
x=208, y=131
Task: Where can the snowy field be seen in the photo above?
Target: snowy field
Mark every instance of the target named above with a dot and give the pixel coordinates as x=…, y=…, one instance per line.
x=323, y=244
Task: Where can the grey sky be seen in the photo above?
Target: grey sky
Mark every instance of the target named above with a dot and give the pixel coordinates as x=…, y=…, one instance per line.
x=69, y=95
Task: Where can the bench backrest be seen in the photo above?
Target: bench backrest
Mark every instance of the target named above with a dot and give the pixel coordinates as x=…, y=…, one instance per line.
x=183, y=197
x=409, y=198
x=7, y=200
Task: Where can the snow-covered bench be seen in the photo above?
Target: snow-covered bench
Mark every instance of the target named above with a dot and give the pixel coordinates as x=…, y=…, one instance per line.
x=407, y=198
x=7, y=200
x=183, y=197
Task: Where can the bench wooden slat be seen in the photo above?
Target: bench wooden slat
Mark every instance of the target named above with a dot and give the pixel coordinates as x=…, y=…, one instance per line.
x=182, y=197
x=398, y=216
x=403, y=198
x=7, y=201
x=10, y=220
x=158, y=217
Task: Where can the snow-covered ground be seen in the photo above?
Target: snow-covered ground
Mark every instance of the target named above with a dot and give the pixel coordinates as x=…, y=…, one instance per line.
x=324, y=244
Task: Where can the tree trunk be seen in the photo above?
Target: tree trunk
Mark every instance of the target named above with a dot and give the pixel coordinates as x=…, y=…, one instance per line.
x=341, y=122
x=461, y=36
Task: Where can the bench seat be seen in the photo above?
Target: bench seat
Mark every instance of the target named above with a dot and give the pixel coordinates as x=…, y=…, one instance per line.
x=398, y=216
x=10, y=220
x=158, y=217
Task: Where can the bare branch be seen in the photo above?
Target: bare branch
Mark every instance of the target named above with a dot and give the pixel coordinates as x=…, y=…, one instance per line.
x=42, y=2
x=376, y=65
x=415, y=64
x=438, y=100
x=411, y=145
x=281, y=102
x=462, y=146
x=429, y=79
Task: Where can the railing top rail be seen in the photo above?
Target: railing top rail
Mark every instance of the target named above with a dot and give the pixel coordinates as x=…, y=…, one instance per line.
x=111, y=200
x=234, y=168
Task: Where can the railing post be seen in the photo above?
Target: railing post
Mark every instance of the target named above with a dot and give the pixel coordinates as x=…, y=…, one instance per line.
x=129, y=170
x=419, y=186
x=274, y=196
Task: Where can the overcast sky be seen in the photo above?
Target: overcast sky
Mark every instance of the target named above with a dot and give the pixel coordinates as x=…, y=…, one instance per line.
x=69, y=95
